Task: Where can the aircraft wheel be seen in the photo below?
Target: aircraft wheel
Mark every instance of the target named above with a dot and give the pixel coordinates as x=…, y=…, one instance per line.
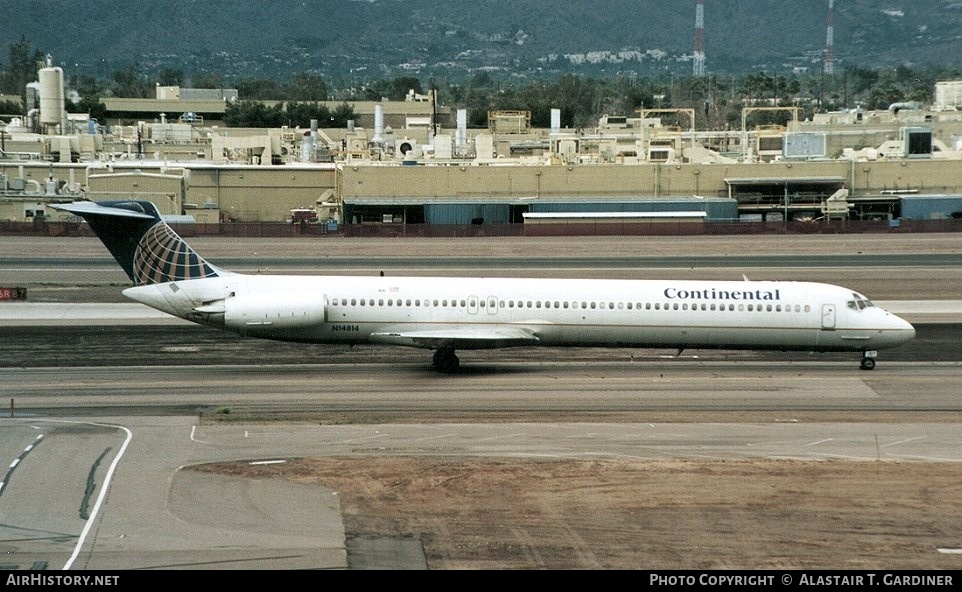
x=451, y=363
x=868, y=364
x=446, y=360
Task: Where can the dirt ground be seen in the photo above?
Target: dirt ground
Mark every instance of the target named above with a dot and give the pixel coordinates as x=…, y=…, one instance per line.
x=682, y=514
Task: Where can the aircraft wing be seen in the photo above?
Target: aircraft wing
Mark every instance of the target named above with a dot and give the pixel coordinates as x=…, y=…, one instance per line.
x=459, y=337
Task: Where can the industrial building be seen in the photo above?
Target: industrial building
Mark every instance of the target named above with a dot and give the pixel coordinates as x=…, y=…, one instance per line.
x=414, y=162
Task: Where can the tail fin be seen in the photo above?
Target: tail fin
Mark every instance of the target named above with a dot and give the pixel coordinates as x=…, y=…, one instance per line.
x=148, y=250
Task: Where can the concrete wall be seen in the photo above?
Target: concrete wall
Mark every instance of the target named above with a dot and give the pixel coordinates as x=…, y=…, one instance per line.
x=268, y=193
x=653, y=180
x=243, y=193
x=258, y=194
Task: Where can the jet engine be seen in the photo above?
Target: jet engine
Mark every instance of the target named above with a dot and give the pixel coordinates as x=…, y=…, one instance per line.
x=273, y=313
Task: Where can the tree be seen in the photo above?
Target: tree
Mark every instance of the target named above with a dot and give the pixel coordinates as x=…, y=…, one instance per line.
x=263, y=89
x=23, y=68
x=254, y=114
x=10, y=108
x=86, y=85
x=400, y=87
x=171, y=77
x=131, y=83
x=91, y=106
x=206, y=80
x=306, y=87
x=342, y=114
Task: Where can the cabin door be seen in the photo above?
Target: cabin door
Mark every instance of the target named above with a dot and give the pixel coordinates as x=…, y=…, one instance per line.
x=828, y=317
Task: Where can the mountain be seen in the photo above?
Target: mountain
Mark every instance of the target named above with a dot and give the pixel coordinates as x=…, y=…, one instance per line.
x=353, y=41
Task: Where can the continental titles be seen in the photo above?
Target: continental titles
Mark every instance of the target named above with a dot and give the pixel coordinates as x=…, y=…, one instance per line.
x=715, y=294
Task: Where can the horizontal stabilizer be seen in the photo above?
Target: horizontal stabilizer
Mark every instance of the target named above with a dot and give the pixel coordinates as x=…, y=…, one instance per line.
x=90, y=208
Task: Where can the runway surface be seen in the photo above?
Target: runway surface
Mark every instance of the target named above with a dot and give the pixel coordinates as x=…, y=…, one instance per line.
x=112, y=408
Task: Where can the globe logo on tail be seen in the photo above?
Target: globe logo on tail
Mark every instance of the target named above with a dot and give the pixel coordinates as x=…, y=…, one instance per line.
x=162, y=256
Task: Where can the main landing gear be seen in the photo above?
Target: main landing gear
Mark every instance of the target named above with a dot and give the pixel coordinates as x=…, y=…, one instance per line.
x=868, y=360
x=445, y=359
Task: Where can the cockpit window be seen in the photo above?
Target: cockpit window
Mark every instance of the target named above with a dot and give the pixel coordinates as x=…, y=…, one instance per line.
x=859, y=302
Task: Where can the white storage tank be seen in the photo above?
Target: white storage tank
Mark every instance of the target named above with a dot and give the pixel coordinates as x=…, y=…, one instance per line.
x=51, y=96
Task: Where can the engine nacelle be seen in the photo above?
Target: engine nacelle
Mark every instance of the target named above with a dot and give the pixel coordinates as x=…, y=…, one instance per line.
x=273, y=312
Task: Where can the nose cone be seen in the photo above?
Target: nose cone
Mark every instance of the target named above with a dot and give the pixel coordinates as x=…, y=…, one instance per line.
x=907, y=331
x=901, y=330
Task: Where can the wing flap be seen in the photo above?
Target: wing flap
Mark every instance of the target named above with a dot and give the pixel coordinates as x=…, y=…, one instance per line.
x=460, y=337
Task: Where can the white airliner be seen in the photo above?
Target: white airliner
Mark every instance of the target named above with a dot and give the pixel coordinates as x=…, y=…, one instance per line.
x=447, y=314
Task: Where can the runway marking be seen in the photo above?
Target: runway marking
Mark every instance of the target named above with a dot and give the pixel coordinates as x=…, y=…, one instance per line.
x=267, y=462
x=23, y=455
x=503, y=437
x=817, y=442
x=193, y=432
x=950, y=551
x=437, y=437
x=103, y=490
x=903, y=441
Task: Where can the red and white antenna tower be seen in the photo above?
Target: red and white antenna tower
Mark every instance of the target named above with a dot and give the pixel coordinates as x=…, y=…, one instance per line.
x=829, y=67
x=698, y=66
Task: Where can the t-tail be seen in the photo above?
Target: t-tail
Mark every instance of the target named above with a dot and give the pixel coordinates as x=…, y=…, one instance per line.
x=149, y=251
